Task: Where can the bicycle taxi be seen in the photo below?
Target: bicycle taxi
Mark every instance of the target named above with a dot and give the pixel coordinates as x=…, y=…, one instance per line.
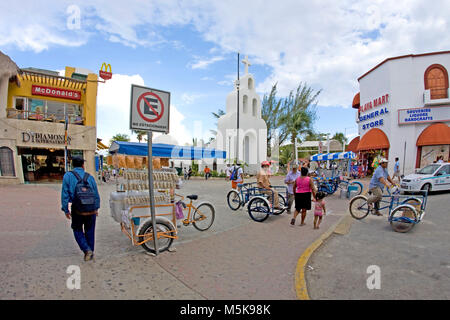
x=260, y=207
x=405, y=211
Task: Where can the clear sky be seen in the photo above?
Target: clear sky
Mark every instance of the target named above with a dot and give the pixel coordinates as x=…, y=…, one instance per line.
x=189, y=48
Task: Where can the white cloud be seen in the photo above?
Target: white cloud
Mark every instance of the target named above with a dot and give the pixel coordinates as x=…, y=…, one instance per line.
x=204, y=63
x=113, y=110
x=327, y=44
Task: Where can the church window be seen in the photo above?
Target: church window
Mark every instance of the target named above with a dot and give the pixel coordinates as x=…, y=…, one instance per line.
x=436, y=80
x=255, y=107
x=250, y=83
x=245, y=104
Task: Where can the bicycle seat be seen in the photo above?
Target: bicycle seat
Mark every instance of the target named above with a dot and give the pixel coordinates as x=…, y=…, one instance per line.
x=192, y=197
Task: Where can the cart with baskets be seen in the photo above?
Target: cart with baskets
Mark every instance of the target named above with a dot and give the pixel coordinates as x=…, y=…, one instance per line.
x=130, y=206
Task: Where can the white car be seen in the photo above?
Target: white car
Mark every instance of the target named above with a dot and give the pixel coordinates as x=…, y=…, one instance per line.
x=433, y=177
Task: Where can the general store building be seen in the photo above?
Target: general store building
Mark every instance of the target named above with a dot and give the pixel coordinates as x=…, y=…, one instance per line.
x=403, y=110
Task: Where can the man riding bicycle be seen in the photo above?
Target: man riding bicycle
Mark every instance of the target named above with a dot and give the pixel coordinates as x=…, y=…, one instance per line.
x=377, y=184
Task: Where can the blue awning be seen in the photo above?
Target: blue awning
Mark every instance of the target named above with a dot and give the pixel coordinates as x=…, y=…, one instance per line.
x=333, y=156
x=162, y=150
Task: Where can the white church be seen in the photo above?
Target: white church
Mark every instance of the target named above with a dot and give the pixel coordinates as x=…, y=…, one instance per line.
x=249, y=143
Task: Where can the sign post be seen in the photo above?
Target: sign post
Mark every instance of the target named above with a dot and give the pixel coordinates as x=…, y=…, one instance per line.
x=150, y=112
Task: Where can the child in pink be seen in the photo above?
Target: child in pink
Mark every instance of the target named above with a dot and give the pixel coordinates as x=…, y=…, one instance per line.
x=319, y=209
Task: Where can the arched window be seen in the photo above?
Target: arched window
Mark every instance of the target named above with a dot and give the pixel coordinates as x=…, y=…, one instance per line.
x=250, y=84
x=255, y=107
x=6, y=162
x=436, y=80
x=245, y=104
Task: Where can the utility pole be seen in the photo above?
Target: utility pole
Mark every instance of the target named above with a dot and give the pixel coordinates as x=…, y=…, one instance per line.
x=237, y=133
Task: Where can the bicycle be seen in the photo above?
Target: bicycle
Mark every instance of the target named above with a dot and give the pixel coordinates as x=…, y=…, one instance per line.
x=259, y=208
x=330, y=185
x=202, y=219
x=403, y=215
x=236, y=199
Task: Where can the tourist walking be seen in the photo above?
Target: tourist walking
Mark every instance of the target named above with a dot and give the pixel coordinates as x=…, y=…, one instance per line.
x=237, y=176
x=290, y=180
x=79, y=189
x=303, y=187
x=319, y=208
x=397, y=170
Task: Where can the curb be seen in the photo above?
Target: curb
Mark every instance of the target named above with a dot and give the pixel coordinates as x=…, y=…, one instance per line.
x=340, y=227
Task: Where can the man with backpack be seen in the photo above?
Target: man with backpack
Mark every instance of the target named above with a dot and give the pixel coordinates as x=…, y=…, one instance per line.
x=237, y=175
x=79, y=188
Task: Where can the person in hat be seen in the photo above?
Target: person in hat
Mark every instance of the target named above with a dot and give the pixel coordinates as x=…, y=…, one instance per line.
x=83, y=223
x=263, y=182
x=290, y=180
x=379, y=180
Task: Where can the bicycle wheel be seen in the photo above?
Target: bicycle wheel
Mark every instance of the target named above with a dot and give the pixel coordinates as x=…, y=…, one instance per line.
x=164, y=233
x=358, y=185
x=204, y=216
x=358, y=207
x=282, y=204
x=415, y=202
x=258, y=209
x=234, y=200
x=403, y=218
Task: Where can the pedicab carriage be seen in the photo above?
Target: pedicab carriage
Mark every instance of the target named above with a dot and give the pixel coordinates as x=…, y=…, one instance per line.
x=260, y=207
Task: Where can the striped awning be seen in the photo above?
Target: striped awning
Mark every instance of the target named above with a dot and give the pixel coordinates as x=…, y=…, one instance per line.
x=333, y=156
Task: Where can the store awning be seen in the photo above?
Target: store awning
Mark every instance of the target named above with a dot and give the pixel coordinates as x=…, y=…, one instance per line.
x=333, y=156
x=435, y=134
x=355, y=103
x=166, y=151
x=353, y=145
x=374, y=139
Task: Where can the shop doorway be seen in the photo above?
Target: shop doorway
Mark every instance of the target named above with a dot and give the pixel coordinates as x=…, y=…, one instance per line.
x=44, y=165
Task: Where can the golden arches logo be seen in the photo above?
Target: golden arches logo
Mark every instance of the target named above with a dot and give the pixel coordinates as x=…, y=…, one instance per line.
x=104, y=74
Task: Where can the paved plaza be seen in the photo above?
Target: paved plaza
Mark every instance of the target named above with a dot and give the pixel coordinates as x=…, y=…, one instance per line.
x=236, y=259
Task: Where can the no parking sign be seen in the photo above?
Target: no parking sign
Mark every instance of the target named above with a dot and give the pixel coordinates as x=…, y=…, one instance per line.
x=149, y=109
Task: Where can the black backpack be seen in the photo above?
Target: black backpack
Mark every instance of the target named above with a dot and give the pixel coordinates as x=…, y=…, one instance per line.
x=84, y=197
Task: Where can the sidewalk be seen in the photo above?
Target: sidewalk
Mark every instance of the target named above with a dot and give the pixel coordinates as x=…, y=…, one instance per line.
x=242, y=260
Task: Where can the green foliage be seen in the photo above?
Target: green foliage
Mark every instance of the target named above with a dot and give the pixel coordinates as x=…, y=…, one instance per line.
x=119, y=137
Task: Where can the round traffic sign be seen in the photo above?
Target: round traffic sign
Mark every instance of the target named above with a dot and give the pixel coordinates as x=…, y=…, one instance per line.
x=150, y=107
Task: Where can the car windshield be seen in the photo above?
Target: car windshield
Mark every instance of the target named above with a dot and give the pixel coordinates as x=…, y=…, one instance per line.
x=429, y=169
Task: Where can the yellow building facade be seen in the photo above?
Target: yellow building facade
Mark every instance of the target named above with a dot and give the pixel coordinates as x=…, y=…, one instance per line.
x=34, y=108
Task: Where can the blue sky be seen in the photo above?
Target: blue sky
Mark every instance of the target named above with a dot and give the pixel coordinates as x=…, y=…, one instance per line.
x=189, y=48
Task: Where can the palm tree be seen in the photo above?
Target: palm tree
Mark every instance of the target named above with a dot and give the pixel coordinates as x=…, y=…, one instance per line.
x=339, y=136
x=270, y=112
x=217, y=115
x=140, y=134
x=299, y=112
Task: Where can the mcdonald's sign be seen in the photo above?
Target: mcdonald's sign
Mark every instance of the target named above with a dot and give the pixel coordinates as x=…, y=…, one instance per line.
x=104, y=74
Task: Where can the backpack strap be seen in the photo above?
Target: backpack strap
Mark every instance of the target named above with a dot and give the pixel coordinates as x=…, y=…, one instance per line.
x=86, y=176
x=76, y=175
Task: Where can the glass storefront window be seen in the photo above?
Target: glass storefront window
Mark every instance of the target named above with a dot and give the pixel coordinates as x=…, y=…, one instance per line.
x=37, y=109
x=52, y=111
x=55, y=110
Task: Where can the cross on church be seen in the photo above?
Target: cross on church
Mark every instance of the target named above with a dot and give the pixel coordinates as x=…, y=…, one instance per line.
x=247, y=64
